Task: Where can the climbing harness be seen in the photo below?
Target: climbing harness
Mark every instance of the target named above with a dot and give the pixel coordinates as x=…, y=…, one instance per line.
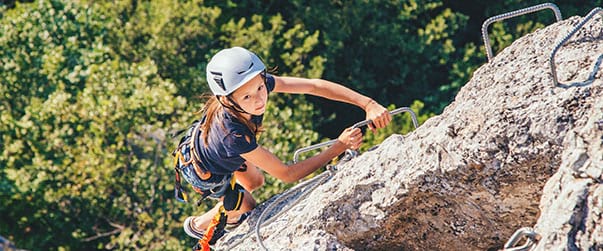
x=531, y=239
x=310, y=185
x=188, y=161
x=186, y=156
x=216, y=228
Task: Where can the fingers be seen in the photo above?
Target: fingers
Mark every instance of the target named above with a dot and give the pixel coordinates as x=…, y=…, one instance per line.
x=357, y=133
x=381, y=121
x=355, y=138
x=372, y=127
x=351, y=138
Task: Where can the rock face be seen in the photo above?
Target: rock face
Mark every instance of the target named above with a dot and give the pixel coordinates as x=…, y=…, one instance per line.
x=513, y=150
x=572, y=202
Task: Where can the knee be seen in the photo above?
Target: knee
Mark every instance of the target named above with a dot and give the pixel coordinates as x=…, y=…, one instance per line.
x=251, y=178
x=257, y=182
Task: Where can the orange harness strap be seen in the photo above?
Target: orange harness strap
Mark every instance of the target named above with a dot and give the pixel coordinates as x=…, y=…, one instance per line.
x=215, y=230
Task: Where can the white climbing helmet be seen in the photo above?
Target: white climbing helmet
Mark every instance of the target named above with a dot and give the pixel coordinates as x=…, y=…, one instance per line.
x=230, y=68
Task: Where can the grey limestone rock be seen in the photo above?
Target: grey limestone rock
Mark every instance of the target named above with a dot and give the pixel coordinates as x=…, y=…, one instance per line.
x=512, y=150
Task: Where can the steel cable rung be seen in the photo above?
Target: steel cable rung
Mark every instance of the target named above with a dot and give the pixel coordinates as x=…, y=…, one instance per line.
x=514, y=14
x=527, y=232
x=413, y=116
x=565, y=39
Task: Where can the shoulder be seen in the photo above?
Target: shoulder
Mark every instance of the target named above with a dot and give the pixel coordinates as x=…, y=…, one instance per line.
x=238, y=139
x=270, y=82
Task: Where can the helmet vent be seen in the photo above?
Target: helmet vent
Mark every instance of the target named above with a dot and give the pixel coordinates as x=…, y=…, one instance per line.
x=241, y=72
x=218, y=79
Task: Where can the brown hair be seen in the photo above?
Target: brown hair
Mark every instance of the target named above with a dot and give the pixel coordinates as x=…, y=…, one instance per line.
x=213, y=110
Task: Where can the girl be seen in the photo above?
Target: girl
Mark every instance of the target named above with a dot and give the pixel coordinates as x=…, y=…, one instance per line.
x=226, y=136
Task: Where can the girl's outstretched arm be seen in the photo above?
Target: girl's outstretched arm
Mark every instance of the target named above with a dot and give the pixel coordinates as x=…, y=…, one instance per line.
x=267, y=161
x=333, y=91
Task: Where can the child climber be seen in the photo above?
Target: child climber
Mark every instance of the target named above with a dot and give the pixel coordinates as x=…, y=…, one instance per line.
x=224, y=141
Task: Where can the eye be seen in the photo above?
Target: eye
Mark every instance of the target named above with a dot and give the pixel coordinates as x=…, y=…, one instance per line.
x=261, y=87
x=246, y=97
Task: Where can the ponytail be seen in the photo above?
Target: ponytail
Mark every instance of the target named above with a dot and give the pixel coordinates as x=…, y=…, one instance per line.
x=211, y=111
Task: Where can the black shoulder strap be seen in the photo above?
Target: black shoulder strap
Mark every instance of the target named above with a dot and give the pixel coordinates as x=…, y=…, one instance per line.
x=197, y=142
x=184, y=137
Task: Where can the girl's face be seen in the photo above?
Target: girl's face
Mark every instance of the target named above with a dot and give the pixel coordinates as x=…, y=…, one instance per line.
x=252, y=96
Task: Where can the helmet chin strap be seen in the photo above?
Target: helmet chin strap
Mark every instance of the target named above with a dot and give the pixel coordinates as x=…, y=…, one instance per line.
x=235, y=107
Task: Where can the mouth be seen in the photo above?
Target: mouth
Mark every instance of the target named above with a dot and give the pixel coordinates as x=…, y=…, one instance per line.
x=260, y=108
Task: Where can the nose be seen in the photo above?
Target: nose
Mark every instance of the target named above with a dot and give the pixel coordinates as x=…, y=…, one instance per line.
x=259, y=99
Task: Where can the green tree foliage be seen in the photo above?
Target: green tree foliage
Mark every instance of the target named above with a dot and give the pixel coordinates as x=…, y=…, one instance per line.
x=394, y=51
x=90, y=89
x=85, y=106
x=182, y=37
x=179, y=36
x=82, y=167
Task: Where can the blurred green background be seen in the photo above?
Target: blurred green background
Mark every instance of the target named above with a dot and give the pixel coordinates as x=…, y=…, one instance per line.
x=90, y=91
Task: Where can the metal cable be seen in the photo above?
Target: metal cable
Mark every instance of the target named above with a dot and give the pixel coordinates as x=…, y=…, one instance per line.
x=566, y=38
x=319, y=179
x=514, y=14
x=531, y=240
x=413, y=116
